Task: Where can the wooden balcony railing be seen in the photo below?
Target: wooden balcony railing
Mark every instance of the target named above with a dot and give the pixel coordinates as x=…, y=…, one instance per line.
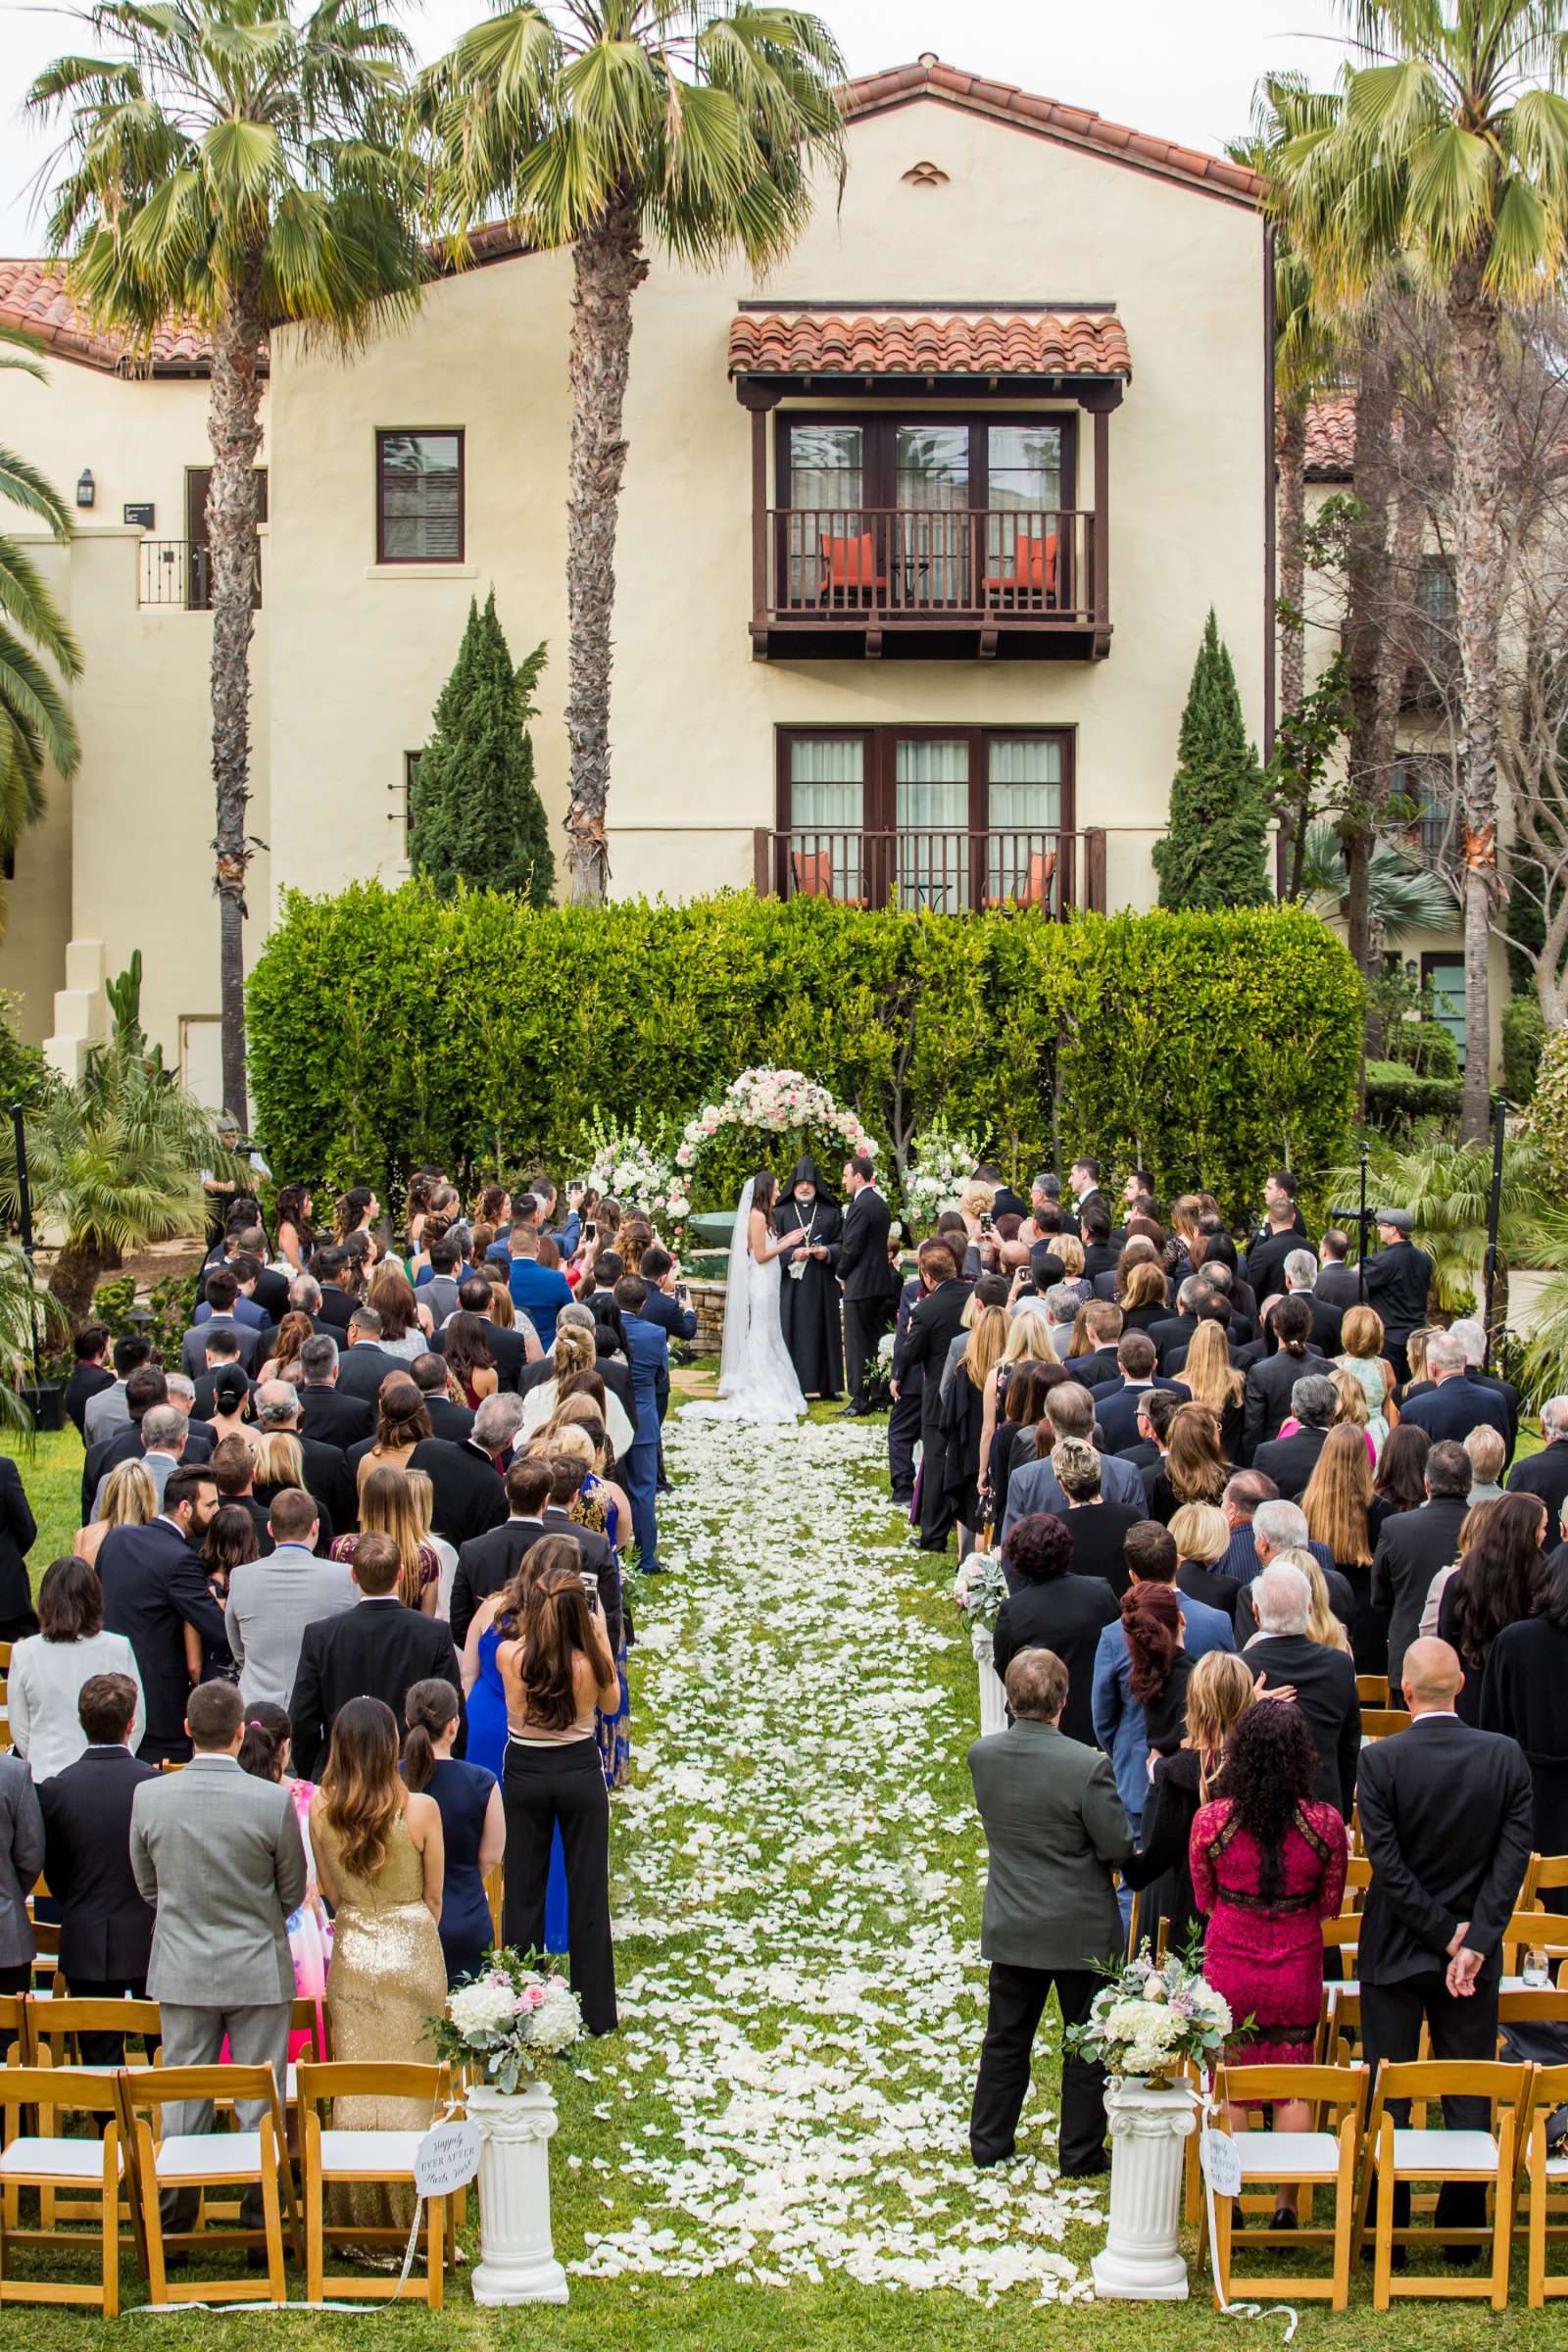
x=941, y=870
x=862, y=570
x=177, y=574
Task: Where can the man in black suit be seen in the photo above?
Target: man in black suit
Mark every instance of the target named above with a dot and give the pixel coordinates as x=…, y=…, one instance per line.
x=1337, y=1282
x=1323, y=1679
x=1100, y=1251
x=106, y=1928
x=276, y=1407
x=1291, y=1462
x=89, y=1374
x=1175, y=1333
x=468, y=1496
x=1414, y=1544
x=1451, y=1404
x=1273, y=1245
x=1097, y=1369
x=153, y=1588
x=1547, y=1473
x=1271, y=1379
x=1116, y=1402
x=1399, y=1283
x=509, y=1346
x=324, y=1415
x=330, y=1268
x=365, y=1363
x=935, y=1322
x=1445, y=1815
x=488, y=1562
x=145, y=1389
x=223, y=1356
x=268, y=1287
x=861, y=1258
x=1084, y=1178
x=448, y=1419
x=379, y=1650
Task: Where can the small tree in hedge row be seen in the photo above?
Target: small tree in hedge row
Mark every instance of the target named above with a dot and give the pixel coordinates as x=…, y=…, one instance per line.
x=1213, y=854
x=475, y=814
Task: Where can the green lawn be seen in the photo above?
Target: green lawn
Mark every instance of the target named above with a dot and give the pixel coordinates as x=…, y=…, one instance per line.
x=708, y=1854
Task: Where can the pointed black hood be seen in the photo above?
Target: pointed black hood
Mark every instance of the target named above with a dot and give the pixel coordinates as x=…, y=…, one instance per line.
x=806, y=1171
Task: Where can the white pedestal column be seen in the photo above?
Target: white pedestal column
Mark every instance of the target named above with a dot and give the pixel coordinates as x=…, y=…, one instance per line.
x=992, y=1697
x=516, y=2259
x=1148, y=2134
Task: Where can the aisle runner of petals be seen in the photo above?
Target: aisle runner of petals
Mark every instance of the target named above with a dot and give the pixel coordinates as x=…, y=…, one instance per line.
x=807, y=2025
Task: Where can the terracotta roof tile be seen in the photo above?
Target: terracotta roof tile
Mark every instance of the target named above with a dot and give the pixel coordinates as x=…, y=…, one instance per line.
x=929, y=77
x=977, y=342
x=32, y=295
x=1331, y=439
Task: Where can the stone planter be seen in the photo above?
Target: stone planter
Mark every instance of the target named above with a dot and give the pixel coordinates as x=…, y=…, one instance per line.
x=516, y=2259
x=706, y=1298
x=1149, y=2128
x=992, y=1697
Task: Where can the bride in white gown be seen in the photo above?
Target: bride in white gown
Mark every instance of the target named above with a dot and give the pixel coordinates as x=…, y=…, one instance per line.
x=756, y=1380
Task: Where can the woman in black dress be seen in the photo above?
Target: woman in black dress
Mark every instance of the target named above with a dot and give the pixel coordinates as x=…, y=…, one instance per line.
x=1498, y=1583
x=473, y=1827
x=810, y=1304
x=1398, y=1483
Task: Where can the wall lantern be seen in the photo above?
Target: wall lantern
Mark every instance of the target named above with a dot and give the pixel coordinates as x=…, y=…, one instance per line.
x=86, y=489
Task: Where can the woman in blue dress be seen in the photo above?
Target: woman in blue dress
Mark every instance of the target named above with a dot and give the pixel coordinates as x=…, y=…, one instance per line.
x=473, y=1827
x=496, y=1621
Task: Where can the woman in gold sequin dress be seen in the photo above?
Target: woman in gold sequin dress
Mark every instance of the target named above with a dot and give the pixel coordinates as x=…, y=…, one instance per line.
x=380, y=1861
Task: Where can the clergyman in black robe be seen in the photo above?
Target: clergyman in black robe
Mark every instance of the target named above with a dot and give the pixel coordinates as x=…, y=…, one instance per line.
x=808, y=1294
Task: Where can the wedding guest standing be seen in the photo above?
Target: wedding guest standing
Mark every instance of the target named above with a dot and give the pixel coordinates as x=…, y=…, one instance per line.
x=1220, y=1692
x=1054, y=1830
x=1268, y=1867
x=20, y=1861
x=19, y=1532
x=863, y=1276
x=1051, y=1607
x=106, y=1927
x=809, y=1296
x=49, y=1669
x=1522, y=1696
x=474, y=1829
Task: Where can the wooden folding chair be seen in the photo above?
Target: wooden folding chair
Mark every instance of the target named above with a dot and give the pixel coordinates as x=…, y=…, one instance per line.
x=56, y=2030
x=1547, y=1874
x=1545, y=1930
x=1549, y=2179
x=1381, y=1723
x=204, y=2160
x=1342, y=2024
x=1357, y=1879
x=1488, y=2159
x=47, y=2162
x=1321, y=2157
x=1372, y=1690
x=16, y=2050
x=377, y=2157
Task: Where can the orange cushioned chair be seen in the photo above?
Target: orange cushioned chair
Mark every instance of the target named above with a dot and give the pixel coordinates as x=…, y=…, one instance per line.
x=848, y=568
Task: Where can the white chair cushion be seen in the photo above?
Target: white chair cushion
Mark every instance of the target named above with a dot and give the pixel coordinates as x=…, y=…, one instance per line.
x=387, y=2153
x=211, y=2156
x=1425, y=2155
x=1288, y=2155
x=1557, y=2168
x=65, y=2159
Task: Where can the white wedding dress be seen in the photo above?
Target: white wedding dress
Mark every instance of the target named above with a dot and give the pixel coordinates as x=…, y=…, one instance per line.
x=755, y=1379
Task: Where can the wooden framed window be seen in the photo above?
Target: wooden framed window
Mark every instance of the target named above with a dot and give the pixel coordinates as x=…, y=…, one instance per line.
x=419, y=493
x=947, y=819
x=1443, y=972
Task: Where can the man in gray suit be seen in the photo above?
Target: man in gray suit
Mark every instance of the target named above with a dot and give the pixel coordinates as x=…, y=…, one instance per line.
x=1056, y=1829
x=216, y=1852
x=1035, y=1486
x=272, y=1599
x=163, y=1429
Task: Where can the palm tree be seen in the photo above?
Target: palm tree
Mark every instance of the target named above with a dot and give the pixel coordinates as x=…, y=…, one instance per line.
x=1401, y=896
x=231, y=161
x=35, y=724
x=686, y=126
x=1456, y=137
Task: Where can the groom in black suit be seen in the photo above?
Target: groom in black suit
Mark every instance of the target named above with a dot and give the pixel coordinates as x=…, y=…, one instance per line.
x=862, y=1268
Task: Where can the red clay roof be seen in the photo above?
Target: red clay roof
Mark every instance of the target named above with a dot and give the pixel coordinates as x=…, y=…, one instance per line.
x=929, y=77
x=32, y=295
x=977, y=342
x=1331, y=439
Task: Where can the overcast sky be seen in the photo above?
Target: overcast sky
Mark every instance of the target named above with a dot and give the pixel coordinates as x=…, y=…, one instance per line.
x=1182, y=72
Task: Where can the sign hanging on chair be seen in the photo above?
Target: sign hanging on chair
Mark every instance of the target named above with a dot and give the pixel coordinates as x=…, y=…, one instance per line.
x=447, y=2158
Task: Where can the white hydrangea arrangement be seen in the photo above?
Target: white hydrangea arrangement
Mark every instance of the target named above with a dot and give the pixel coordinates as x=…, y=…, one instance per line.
x=980, y=1588
x=942, y=1159
x=628, y=1170
x=777, y=1102
x=1152, y=2017
x=508, y=2018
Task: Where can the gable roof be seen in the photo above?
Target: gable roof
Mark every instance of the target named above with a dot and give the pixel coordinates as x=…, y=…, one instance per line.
x=1331, y=439
x=1072, y=125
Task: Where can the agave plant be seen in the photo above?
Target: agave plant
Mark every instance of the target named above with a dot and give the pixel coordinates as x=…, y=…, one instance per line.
x=113, y=1162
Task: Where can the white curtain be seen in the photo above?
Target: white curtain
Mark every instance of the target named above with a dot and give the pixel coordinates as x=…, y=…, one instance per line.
x=1024, y=811
x=932, y=813
x=827, y=809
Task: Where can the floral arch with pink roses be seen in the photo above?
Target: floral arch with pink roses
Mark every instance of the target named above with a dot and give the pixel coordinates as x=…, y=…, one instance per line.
x=773, y=1103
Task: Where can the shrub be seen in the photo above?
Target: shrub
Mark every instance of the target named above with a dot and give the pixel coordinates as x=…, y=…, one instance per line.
x=391, y=1026
x=1524, y=1039
x=1548, y=1113
x=1396, y=1096
x=1425, y=1046
x=1214, y=851
x=475, y=814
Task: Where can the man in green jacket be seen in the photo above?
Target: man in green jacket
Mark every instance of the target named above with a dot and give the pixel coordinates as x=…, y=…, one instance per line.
x=1056, y=1829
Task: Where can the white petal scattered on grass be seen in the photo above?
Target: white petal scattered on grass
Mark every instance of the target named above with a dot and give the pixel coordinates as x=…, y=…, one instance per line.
x=801, y=1993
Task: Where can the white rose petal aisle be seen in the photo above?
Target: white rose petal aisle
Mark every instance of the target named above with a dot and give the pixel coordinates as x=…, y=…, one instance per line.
x=792, y=1869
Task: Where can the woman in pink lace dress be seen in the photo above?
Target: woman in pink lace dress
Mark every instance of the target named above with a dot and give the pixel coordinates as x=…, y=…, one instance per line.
x=1269, y=1868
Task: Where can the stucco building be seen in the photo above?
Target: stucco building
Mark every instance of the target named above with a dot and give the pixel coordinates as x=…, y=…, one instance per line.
x=916, y=546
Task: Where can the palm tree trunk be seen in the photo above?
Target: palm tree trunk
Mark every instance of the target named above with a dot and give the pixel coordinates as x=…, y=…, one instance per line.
x=1480, y=562
x=75, y=1274
x=234, y=428
x=1366, y=626
x=608, y=267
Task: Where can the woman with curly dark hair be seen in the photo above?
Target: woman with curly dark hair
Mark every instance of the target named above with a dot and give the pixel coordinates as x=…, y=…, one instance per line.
x=1140, y=1691
x=1047, y=1607
x=1269, y=1868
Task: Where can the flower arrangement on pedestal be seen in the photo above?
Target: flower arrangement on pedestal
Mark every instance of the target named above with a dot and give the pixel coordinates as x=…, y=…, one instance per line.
x=942, y=1159
x=633, y=1172
x=1152, y=2017
x=776, y=1102
x=980, y=1589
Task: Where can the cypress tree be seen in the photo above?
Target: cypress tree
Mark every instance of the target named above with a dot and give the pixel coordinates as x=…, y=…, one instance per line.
x=475, y=814
x=1213, y=854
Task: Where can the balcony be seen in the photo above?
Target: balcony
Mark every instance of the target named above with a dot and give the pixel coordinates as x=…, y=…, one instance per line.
x=175, y=574
x=938, y=871
x=1007, y=584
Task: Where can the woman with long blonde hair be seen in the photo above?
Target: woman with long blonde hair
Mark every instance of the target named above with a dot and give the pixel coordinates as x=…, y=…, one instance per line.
x=1194, y=1468
x=1214, y=1382
x=391, y=1504
x=130, y=1499
x=1028, y=1342
x=1145, y=1298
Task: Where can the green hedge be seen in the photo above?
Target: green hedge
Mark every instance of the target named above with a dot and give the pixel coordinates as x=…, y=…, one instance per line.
x=1396, y=1096
x=1524, y=1040
x=388, y=1027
